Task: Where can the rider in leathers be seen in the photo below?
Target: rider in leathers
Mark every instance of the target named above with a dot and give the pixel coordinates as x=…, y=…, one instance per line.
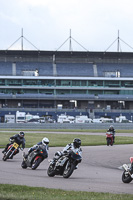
x=75, y=145
x=112, y=130
x=44, y=143
x=19, y=139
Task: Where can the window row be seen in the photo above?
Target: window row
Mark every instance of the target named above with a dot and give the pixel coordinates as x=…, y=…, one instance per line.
x=48, y=82
x=62, y=92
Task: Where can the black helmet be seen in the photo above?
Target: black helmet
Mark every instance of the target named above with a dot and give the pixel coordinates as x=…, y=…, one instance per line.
x=21, y=134
x=76, y=142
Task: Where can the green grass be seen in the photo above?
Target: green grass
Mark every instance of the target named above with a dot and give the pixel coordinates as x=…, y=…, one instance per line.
x=62, y=139
x=13, y=192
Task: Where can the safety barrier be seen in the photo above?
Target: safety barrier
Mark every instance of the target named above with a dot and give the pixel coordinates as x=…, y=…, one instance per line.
x=126, y=126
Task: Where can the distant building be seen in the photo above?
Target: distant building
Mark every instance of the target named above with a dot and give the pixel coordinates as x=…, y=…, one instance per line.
x=82, y=80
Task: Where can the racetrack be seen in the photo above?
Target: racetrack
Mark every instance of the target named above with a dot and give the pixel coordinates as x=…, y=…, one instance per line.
x=98, y=172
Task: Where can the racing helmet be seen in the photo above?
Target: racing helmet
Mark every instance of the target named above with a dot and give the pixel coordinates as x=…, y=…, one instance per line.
x=111, y=127
x=21, y=134
x=45, y=141
x=76, y=142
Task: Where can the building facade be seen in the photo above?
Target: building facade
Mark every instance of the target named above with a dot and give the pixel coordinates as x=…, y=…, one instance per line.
x=67, y=80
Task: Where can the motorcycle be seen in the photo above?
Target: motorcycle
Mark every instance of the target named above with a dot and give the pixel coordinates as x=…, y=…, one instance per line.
x=127, y=176
x=34, y=159
x=65, y=165
x=109, y=138
x=11, y=151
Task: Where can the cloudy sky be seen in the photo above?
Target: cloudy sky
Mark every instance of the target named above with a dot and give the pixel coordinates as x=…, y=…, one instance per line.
x=47, y=24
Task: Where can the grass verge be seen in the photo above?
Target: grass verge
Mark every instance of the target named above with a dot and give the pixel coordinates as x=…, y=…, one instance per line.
x=63, y=139
x=13, y=192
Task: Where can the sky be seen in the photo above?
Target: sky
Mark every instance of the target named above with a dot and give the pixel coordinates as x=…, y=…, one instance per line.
x=79, y=25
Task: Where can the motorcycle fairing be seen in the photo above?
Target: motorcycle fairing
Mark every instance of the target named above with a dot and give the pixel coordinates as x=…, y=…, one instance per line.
x=61, y=161
x=30, y=159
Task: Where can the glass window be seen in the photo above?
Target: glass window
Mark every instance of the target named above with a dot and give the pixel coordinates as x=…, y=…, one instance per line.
x=127, y=83
x=111, y=83
x=130, y=92
x=31, y=91
x=65, y=83
x=96, y=92
x=62, y=91
x=79, y=91
x=48, y=82
x=30, y=82
x=83, y=83
x=111, y=92
x=46, y=91
x=95, y=83
x=75, y=83
x=14, y=82
x=2, y=82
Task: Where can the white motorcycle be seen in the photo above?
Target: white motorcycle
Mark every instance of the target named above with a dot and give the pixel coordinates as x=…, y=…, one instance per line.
x=65, y=165
x=127, y=176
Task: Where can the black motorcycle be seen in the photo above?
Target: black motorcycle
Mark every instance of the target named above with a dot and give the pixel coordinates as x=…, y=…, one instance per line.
x=34, y=159
x=65, y=165
x=11, y=151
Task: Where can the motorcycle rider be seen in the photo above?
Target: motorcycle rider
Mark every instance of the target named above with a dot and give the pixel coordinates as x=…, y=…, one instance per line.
x=112, y=130
x=71, y=146
x=44, y=142
x=19, y=139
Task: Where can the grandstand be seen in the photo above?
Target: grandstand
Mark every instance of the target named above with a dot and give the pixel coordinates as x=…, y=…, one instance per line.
x=82, y=82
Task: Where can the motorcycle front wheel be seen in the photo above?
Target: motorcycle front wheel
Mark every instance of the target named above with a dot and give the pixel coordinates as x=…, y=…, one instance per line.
x=6, y=156
x=126, y=178
x=69, y=168
x=23, y=165
x=108, y=141
x=36, y=163
x=51, y=171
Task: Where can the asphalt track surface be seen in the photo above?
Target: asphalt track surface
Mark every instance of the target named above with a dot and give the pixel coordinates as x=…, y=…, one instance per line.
x=98, y=172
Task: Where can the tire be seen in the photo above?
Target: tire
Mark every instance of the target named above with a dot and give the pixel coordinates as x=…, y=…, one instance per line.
x=6, y=156
x=126, y=178
x=108, y=141
x=23, y=165
x=36, y=163
x=68, y=170
x=51, y=171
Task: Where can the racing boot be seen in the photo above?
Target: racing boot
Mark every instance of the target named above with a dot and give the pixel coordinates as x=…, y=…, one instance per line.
x=4, y=150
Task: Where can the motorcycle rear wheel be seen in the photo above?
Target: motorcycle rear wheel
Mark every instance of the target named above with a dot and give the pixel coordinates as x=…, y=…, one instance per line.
x=126, y=178
x=36, y=163
x=51, y=171
x=69, y=168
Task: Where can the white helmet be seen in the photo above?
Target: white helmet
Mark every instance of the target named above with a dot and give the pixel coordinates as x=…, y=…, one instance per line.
x=45, y=141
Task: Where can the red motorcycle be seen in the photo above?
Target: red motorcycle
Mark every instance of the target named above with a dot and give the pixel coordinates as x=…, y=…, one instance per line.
x=34, y=159
x=109, y=138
